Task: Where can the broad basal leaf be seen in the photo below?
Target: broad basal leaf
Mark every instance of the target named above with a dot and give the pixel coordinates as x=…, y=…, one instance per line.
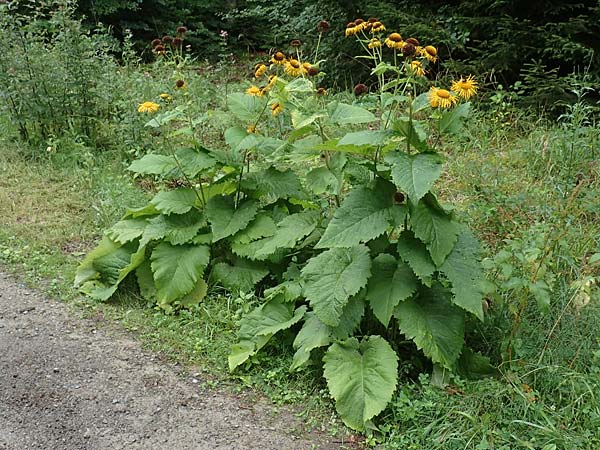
x=154, y=165
x=391, y=283
x=245, y=107
x=435, y=227
x=194, y=161
x=415, y=174
x=274, y=184
x=365, y=214
x=241, y=276
x=332, y=277
x=225, y=219
x=361, y=378
x=414, y=252
x=195, y=296
x=434, y=323
x=366, y=137
x=321, y=180
x=177, y=269
x=347, y=114
x=177, y=201
x=451, y=121
x=413, y=131
x=262, y=226
x=463, y=269
x=127, y=230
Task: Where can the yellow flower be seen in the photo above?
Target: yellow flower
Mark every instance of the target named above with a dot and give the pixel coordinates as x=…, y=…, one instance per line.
x=259, y=70
x=394, y=40
x=251, y=129
x=321, y=91
x=351, y=29
x=294, y=68
x=272, y=81
x=166, y=97
x=441, y=98
x=417, y=68
x=254, y=91
x=429, y=52
x=276, y=108
x=278, y=58
x=148, y=107
x=377, y=27
x=465, y=88
x=374, y=43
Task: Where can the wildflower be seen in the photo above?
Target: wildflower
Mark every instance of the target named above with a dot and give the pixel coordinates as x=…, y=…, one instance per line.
x=278, y=58
x=166, y=97
x=465, y=88
x=429, y=52
x=413, y=41
x=167, y=39
x=180, y=84
x=259, y=70
x=350, y=29
x=374, y=43
x=181, y=30
x=148, y=107
x=394, y=40
x=295, y=42
x=360, y=89
x=441, y=98
x=408, y=49
x=312, y=71
x=276, y=108
x=360, y=24
x=251, y=129
x=254, y=91
x=377, y=27
x=177, y=41
x=294, y=68
x=306, y=66
x=160, y=49
x=323, y=26
x=321, y=91
x=155, y=42
x=272, y=81
x=417, y=68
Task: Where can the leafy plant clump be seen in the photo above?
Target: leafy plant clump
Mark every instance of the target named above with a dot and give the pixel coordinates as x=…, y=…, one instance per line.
x=324, y=207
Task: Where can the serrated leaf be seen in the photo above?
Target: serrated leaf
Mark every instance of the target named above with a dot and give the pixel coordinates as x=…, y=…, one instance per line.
x=239, y=277
x=144, y=211
x=415, y=174
x=391, y=283
x=435, y=227
x=225, y=219
x=194, y=161
x=414, y=252
x=177, y=269
x=313, y=334
x=154, y=165
x=321, y=180
x=365, y=137
x=127, y=230
x=332, y=277
x=245, y=107
x=145, y=281
x=195, y=296
x=262, y=226
x=463, y=269
x=361, y=378
x=351, y=114
x=414, y=132
x=177, y=201
x=451, y=121
x=434, y=323
x=363, y=215
x=182, y=228
x=274, y=184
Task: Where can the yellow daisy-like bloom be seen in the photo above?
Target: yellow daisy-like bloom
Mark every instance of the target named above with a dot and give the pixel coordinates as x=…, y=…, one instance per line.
x=351, y=29
x=259, y=70
x=394, y=40
x=276, y=108
x=417, y=68
x=465, y=88
x=429, y=52
x=255, y=91
x=251, y=129
x=166, y=97
x=278, y=58
x=374, y=43
x=377, y=27
x=148, y=107
x=306, y=66
x=441, y=98
x=272, y=81
x=360, y=25
x=294, y=68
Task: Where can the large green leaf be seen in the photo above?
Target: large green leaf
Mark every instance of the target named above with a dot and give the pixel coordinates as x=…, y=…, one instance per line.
x=361, y=377
x=413, y=132
x=392, y=282
x=463, y=269
x=451, y=121
x=321, y=180
x=365, y=137
x=177, y=269
x=351, y=114
x=434, y=323
x=435, y=227
x=127, y=230
x=414, y=252
x=194, y=161
x=274, y=184
x=195, y=296
x=177, y=201
x=332, y=277
x=365, y=214
x=242, y=276
x=227, y=220
x=262, y=226
x=154, y=165
x=247, y=108
x=415, y=174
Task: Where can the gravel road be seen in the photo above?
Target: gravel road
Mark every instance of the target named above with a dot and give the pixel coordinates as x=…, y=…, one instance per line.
x=69, y=383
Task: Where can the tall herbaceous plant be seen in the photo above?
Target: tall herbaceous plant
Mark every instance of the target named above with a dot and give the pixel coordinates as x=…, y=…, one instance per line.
x=322, y=205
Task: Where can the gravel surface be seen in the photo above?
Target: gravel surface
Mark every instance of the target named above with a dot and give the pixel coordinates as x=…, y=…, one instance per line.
x=69, y=383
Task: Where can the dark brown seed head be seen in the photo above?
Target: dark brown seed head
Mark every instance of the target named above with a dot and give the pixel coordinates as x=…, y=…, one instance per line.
x=409, y=49
x=177, y=41
x=323, y=26
x=399, y=197
x=179, y=84
x=295, y=43
x=313, y=71
x=413, y=41
x=156, y=42
x=167, y=39
x=360, y=89
x=182, y=30
x=159, y=48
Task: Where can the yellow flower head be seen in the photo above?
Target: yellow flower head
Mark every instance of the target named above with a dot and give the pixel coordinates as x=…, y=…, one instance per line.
x=251, y=129
x=465, y=88
x=394, y=40
x=272, y=81
x=254, y=91
x=148, y=107
x=166, y=97
x=377, y=27
x=350, y=29
x=374, y=43
x=321, y=91
x=276, y=108
x=294, y=68
x=441, y=98
x=278, y=58
x=429, y=52
x=259, y=70
x=417, y=68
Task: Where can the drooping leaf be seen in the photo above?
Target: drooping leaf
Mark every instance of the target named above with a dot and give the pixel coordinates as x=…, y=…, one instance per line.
x=274, y=184
x=262, y=226
x=225, y=219
x=195, y=296
x=313, y=334
x=332, y=277
x=177, y=201
x=391, y=283
x=414, y=252
x=127, y=230
x=463, y=269
x=177, y=269
x=145, y=281
x=144, y=211
x=351, y=114
x=435, y=227
x=415, y=174
x=242, y=276
x=365, y=214
x=194, y=161
x=435, y=324
x=451, y=121
x=366, y=137
x=361, y=378
x=154, y=165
